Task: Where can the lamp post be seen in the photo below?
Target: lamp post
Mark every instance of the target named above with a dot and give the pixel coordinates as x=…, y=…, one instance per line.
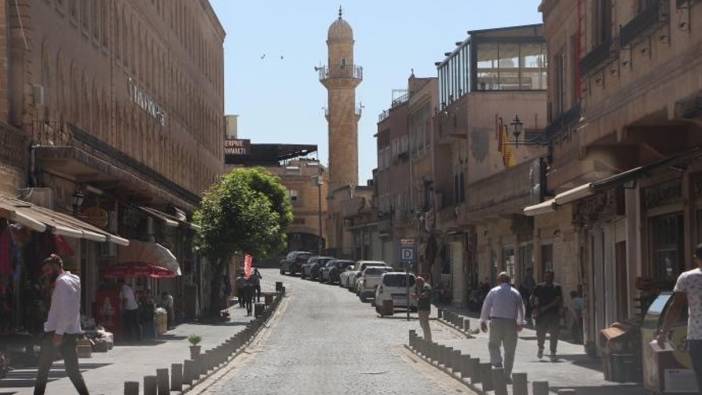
x=517, y=129
x=319, y=181
x=78, y=198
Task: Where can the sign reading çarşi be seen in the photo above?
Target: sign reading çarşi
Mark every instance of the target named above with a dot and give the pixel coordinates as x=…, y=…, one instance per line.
x=238, y=147
x=146, y=102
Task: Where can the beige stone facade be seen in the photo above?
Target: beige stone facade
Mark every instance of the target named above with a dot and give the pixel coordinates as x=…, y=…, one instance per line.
x=628, y=83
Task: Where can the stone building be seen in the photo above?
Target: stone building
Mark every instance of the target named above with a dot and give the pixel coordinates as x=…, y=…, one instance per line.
x=624, y=132
x=119, y=107
x=340, y=77
x=484, y=172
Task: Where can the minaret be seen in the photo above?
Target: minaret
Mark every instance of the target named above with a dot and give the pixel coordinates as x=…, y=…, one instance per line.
x=341, y=77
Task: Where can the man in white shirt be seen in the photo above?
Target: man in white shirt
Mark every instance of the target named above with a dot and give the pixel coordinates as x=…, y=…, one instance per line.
x=504, y=309
x=688, y=289
x=62, y=327
x=130, y=315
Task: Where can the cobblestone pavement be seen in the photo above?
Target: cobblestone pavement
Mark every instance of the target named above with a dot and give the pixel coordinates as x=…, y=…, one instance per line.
x=325, y=341
x=105, y=373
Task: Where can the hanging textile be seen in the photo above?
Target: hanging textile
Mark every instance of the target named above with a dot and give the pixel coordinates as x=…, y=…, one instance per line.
x=5, y=254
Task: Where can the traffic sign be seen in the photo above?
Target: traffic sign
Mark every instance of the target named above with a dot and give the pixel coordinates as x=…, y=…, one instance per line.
x=408, y=251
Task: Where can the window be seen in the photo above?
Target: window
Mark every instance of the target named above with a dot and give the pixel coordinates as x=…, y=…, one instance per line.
x=546, y=259
x=508, y=261
x=511, y=66
x=294, y=196
x=559, y=79
x=602, y=22
x=666, y=235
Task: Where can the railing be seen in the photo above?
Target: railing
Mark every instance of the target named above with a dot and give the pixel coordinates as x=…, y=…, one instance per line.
x=341, y=71
x=13, y=145
x=563, y=122
x=649, y=19
x=383, y=115
x=595, y=58
x=400, y=100
x=51, y=133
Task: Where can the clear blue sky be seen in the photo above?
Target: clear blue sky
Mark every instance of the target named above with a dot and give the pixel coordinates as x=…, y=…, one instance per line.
x=281, y=100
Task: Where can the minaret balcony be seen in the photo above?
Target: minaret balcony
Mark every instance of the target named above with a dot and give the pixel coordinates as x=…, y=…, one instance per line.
x=342, y=71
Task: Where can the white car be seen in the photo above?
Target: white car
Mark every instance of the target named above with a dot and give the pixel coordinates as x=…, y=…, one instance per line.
x=345, y=277
x=393, y=286
x=369, y=280
x=349, y=278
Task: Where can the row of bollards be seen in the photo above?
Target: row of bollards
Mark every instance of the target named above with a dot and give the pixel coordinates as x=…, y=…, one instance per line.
x=187, y=374
x=473, y=372
x=455, y=320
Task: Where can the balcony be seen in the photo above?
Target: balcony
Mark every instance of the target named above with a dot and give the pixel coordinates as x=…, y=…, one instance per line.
x=342, y=71
x=595, y=59
x=383, y=116
x=400, y=100
x=646, y=22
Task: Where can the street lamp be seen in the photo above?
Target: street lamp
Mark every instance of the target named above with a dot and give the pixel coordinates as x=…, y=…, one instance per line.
x=319, y=181
x=78, y=198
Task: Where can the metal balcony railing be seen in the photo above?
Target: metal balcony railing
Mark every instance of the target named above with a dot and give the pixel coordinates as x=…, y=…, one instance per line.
x=383, y=115
x=652, y=17
x=563, y=123
x=51, y=133
x=596, y=58
x=400, y=100
x=349, y=71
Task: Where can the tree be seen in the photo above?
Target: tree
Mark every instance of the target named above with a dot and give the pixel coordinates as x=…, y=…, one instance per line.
x=246, y=212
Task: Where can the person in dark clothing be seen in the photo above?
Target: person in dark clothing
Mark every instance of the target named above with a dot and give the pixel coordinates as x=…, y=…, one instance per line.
x=147, y=310
x=240, y=285
x=547, y=300
x=247, y=293
x=526, y=288
x=256, y=277
x=423, y=297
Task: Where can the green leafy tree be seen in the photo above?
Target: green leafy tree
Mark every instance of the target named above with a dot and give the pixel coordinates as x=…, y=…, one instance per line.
x=246, y=212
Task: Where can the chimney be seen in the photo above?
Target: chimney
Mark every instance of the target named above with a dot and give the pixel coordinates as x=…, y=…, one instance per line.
x=231, y=126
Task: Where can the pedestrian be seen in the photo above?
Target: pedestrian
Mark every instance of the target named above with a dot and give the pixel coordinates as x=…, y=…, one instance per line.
x=578, y=305
x=168, y=304
x=146, y=316
x=248, y=291
x=688, y=290
x=130, y=309
x=504, y=309
x=423, y=296
x=62, y=327
x=240, y=285
x=547, y=301
x=526, y=288
x=257, y=284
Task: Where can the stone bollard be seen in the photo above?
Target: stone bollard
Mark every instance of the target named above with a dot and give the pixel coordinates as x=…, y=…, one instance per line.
x=150, y=385
x=476, y=377
x=131, y=388
x=446, y=356
x=466, y=325
x=519, y=384
x=486, y=376
x=499, y=382
x=278, y=286
x=163, y=382
x=540, y=388
x=568, y=391
x=440, y=314
x=177, y=377
x=412, y=337
x=188, y=371
x=466, y=370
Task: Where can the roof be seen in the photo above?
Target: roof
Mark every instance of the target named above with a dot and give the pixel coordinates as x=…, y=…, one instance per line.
x=340, y=30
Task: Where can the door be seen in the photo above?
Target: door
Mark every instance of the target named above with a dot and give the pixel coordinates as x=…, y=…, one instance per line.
x=457, y=271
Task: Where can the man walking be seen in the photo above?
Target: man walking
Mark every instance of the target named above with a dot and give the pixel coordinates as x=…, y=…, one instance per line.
x=526, y=288
x=504, y=308
x=62, y=327
x=423, y=296
x=257, y=283
x=130, y=310
x=547, y=300
x=688, y=289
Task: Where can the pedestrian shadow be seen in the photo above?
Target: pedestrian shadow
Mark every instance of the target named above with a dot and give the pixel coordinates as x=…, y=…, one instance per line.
x=26, y=378
x=614, y=389
x=581, y=360
x=230, y=323
x=392, y=317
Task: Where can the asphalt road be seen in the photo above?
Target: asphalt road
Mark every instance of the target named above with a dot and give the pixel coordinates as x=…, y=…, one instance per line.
x=325, y=341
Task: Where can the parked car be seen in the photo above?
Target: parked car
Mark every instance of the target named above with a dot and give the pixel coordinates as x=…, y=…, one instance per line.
x=292, y=263
x=317, y=266
x=333, y=270
x=347, y=277
x=360, y=266
x=305, y=268
x=393, y=286
x=369, y=281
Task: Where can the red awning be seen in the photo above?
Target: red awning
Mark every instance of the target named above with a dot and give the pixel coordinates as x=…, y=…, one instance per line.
x=137, y=269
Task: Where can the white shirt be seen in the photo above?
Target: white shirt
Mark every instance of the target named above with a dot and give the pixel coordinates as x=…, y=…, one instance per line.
x=690, y=283
x=64, y=314
x=128, y=293
x=503, y=302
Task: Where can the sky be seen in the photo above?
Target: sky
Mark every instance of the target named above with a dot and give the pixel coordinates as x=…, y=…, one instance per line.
x=272, y=47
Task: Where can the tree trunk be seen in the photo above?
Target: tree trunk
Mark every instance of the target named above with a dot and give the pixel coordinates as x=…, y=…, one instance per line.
x=217, y=300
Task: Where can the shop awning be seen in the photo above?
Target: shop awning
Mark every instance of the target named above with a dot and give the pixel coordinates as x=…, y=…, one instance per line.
x=148, y=253
x=546, y=207
x=168, y=219
x=39, y=219
x=574, y=194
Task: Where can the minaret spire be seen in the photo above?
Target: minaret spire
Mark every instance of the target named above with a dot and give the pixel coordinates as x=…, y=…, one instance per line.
x=341, y=12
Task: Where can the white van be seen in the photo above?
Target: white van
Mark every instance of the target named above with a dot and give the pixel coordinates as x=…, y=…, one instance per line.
x=393, y=286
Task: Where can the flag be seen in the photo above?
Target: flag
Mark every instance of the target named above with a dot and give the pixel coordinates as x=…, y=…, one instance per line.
x=248, y=265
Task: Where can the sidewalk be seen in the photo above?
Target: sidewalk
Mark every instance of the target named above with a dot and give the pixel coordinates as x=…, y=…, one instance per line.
x=105, y=373
x=573, y=369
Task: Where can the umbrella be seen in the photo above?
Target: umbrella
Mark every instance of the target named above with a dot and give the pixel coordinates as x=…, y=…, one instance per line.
x=137, y=269
x=150, y=253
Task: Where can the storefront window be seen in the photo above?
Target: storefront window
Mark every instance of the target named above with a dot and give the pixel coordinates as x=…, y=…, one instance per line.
x=666, y=235
x=525, y=260
x=508, y=261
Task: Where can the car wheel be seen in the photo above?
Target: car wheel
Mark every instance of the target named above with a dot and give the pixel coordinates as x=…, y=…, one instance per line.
x=363, y=298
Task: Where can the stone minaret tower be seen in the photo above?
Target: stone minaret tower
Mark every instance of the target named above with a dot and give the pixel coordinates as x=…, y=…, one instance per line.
x=341, y=77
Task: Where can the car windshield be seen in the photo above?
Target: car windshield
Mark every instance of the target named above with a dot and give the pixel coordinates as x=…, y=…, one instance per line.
x=397, y=280
x=304, y=256
x=343, y=264
x=374, y=271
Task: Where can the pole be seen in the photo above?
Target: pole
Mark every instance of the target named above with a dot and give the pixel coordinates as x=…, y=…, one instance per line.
x=408, y=289
x=319, y=213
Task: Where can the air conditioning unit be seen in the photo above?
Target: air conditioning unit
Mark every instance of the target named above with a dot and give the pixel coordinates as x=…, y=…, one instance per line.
x=43, y=197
